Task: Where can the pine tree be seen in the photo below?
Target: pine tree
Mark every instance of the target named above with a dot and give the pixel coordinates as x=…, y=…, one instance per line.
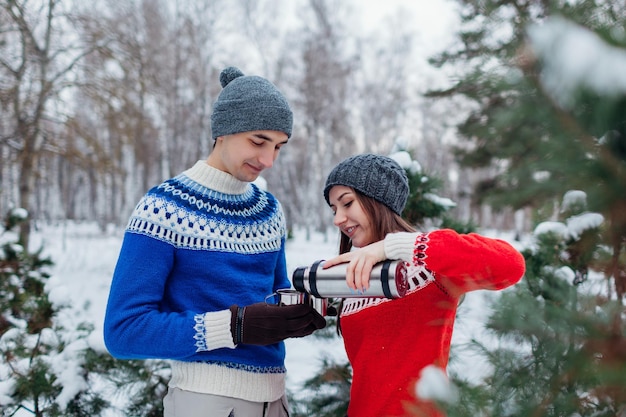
x=423, y=204
x=142, y=382
x=32, y=345
x=37, y=352
x=514, y=127
x=561, y=346
x=561, y=332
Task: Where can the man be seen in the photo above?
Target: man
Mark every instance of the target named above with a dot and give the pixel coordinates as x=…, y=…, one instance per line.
x=200, y=253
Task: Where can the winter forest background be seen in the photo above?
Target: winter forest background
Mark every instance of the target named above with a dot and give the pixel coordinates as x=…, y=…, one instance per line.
x=510, y=121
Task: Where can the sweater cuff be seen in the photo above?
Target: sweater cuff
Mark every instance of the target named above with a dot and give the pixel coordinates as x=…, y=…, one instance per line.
x=217, y=333
x=400, y=245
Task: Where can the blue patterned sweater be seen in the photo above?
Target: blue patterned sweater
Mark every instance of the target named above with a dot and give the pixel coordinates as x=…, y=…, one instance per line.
x=195, y=245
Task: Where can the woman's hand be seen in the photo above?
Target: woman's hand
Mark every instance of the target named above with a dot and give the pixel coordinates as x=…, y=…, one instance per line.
x=361, y=261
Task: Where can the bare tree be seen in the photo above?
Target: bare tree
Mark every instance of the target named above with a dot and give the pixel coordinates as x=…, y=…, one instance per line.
x=37, y=58
x=195, y=82
x=327, y=62
x=152, y=89
x=383, y=96
x=100, y=104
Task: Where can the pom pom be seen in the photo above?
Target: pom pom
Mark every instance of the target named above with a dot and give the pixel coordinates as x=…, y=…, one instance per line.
x=229, y=74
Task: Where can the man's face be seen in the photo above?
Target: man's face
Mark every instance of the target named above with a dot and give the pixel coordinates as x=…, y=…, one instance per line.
x=245, y=155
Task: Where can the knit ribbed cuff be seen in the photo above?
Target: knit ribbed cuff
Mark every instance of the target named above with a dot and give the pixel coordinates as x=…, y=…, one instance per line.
x=217, y=331
x=216, y=379
x=400, y=245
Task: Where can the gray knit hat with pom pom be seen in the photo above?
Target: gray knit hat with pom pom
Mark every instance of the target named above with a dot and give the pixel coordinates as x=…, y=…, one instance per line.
x=376, y=176
x=248, y=103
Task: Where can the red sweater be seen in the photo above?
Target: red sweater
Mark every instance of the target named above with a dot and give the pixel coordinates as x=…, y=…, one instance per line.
x=389, y=342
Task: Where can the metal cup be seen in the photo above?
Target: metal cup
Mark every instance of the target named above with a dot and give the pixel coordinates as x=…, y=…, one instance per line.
x=290, y=297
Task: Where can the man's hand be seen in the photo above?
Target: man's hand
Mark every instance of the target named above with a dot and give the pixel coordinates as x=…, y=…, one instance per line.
x=265, y=324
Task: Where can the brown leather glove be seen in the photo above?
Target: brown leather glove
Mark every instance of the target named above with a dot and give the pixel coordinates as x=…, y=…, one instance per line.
x=265, y=324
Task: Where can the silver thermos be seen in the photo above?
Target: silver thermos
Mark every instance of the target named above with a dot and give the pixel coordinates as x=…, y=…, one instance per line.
x=388, y=279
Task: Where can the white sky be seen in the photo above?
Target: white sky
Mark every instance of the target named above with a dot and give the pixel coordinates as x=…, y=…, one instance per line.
x=435, y=21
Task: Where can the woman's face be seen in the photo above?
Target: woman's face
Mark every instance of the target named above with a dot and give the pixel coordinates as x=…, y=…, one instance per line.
x=350, y=217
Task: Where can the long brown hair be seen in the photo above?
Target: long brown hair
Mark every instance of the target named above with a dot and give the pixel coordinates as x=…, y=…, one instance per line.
x=383, y=220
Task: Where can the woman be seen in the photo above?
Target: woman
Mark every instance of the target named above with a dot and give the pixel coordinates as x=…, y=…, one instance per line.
x=389, y=342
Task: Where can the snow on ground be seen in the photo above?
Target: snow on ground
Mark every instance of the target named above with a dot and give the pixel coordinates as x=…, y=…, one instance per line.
x=85, y=258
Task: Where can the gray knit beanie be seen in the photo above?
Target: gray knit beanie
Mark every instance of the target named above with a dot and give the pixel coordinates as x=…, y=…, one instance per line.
x=249, y=103
x=375, y=176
